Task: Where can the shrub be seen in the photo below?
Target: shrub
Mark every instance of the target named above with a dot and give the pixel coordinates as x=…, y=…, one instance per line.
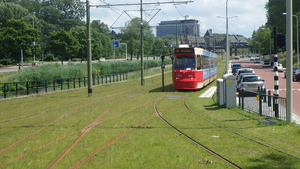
x=76, y=60
x=72, y=70
x=6, y=61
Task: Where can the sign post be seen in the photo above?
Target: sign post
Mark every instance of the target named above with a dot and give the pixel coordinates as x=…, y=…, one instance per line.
x=162, y=71
x=116, y=44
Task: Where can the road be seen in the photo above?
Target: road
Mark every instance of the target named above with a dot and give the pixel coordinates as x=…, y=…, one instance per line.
x=268, y=75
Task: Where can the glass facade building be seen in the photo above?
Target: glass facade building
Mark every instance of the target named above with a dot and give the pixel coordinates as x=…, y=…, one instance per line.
x=178, y=27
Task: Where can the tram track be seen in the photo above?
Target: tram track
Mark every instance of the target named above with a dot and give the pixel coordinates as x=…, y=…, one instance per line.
x=191, y=139
x=50, y=99
x=239, y=134
x=82, y=132
x=58, y=118
x=109, y=114
x=197, y=142
x=118, y=98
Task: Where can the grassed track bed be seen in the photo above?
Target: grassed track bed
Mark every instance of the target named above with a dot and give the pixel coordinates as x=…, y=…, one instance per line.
x=117, y=128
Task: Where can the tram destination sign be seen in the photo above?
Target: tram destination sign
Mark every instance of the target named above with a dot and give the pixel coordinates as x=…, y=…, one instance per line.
x=184, y=50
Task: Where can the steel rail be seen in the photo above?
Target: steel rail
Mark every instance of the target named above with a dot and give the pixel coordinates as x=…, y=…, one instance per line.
x=249, y=138
x=191, y=139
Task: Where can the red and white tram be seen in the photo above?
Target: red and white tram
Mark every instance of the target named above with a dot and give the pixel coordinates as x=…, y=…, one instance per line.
x=193, y=68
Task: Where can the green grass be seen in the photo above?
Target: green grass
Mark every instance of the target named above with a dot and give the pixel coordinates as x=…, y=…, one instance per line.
x=151, y=145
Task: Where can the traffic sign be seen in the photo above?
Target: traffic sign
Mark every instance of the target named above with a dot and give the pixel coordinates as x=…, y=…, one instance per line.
x=116, y=44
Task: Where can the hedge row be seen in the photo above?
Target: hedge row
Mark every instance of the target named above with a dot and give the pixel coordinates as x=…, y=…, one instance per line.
x=72, y=70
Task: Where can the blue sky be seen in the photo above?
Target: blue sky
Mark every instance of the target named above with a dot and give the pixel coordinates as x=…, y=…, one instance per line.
x=251, y=14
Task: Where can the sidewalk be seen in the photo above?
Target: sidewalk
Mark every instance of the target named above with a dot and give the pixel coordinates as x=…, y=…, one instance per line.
x=11, y=69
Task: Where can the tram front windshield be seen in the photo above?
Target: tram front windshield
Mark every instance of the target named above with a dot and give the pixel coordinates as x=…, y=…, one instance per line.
x=184, y=63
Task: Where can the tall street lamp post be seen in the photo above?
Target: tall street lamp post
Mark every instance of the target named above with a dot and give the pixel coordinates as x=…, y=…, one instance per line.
x=297, y=37
x=227, y=40
x=289, y=61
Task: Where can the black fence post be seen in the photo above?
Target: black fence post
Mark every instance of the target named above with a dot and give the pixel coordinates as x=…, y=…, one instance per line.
x=265, y=95
x=269, y=99
x=17, y=89
x=61, y=84
x=74, y=82
x=36, y=87
x=5, y=90
x=243, y=97
x=54, y=85
x=46, y=86
x=260, y=100
x=239, y=91
x=27, y=88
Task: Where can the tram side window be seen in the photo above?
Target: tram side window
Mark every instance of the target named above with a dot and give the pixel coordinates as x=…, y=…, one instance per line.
x=205, y=61
x=199, y=62
x=215, y=62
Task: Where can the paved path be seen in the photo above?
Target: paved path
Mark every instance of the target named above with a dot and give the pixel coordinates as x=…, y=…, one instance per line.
x=11, y=69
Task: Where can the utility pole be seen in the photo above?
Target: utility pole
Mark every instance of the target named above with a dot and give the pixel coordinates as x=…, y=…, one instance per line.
x=142, y=45
x=89, y=50
x=289, y=63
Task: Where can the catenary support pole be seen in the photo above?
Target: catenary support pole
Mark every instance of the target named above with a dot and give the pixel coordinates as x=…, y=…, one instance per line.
x=89, y=51
x=142, y=46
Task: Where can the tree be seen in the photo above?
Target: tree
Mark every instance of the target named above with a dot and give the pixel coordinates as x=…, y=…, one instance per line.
x=131, y=35
x=64, y=44
x=65, y=13
x=15, y=36
x=101, y=26
x=158, y=47
x=11, y=11
x=275, y=9
x=262, y=39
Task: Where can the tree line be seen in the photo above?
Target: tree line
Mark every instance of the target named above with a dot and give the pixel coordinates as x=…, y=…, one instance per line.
x=264, y=37
x=54, y=30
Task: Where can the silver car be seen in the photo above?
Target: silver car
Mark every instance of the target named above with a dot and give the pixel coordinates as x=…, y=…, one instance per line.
x=251, y=83
x=241, y=76
x=243, y=70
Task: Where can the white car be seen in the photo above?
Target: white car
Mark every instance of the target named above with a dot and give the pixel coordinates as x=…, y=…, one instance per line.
x=279, y=68
x=101, y=59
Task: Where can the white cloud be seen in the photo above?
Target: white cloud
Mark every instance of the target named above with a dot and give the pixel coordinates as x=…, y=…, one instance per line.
x=251, y=13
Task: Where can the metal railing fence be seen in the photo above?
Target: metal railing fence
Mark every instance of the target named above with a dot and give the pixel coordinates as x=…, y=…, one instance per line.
x=263, y=103
x=13, y=89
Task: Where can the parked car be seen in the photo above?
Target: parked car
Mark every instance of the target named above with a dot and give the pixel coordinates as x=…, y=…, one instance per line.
x=252, y=58
x=244, y=70
x=266, y=64
x=251, y=83
x=256, y=60
x=279, y=67
x=235, y=66
x=241, y=76
x=294, y=69
x=237, y=58
x=296, y=75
